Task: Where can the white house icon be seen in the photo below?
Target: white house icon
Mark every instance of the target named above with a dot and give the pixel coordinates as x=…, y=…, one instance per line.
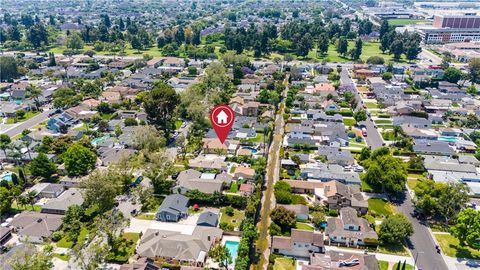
x=222, y=118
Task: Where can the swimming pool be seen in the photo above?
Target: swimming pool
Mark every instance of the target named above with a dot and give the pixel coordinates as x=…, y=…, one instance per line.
x=7, y=177
x=96, y=140
x=232, y=247
x=253, y=150
x=447, y=138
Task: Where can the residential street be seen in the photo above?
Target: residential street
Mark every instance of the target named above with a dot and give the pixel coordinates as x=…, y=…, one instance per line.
x=422, y=243
x=18, y=128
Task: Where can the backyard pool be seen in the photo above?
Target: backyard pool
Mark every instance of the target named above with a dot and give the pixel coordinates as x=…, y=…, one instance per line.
x=447, y=138
x=232, y=247
x=7, y=176
x=96, y=140
x=253, y=150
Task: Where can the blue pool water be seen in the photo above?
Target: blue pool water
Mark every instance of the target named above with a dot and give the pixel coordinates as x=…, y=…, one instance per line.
x=96, y=140
x=7, y=177
x=232, y=247
x=253, y=150
x=447, y=138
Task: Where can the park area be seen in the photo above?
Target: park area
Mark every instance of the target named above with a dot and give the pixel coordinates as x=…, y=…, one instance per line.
x=402, y=22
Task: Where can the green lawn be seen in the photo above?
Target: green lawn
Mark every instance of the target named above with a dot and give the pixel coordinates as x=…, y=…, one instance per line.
x=383, y=121
x=234, y=220
x=304, y=226
x=152, y=51
x=127, y=248
x=408, y=266
x=383, y=265
x=371, y=105
x=63, y=257
x=284, y=264
x=234, y=187
x=397, y=249
x=64, y=243
x=19, y=208
x=349, y=122
x=380, y=207
x=178, y=124
x=366, y=187
x=28, y=115
x=257, y=139
x=451, y=247
x=368, y=49
x=401, y=22
x=145, y=216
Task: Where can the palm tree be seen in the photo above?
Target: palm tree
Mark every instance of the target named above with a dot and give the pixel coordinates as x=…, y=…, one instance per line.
x=30, y=196
x=5, y=143
x=22, y=201
x=16, y=153
x=27, y=144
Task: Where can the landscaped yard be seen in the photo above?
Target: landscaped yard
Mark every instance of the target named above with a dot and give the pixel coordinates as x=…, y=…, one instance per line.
x=349, y=122
x=383, y=121
x=407, y=266
x=127, y=248
x=304, y=226
x=64, y=243
x=366, y=187
x=146, y=216
x=257, y=139
x=397, y=249
x=234, y=220
x=383, y=265
x=63, y=257
x=450, y=246
x=284, y=264
x=371, y=105
x=380, y=207
x=28, y=115
x=234, y=187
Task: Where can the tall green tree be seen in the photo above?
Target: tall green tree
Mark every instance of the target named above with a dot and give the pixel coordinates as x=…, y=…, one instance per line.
x=42, y=166
x=5, y=141
x=74, y=41
x=9, y=68
x=342, y=46
x=78, y=160
x=395, y=228
x=396, y=48
x=37, y=36
x=160, y=104
x=221, y=255
x=452, y=75
x=474, y=70
x=357, y=51
x=467, y=227
x=323, y=43
x=305, y=45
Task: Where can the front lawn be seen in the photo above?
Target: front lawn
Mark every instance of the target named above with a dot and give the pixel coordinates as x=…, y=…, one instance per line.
x=304, y=226
x=234, y=187
x=407, y=266
x=396, y=249
x=383, y=121
x=380, y=207
x=28, y=115
x=383, y=265
x=146, y=216
x=234, y=220
x=284, y=264
x=450, y=246
x=371, y=105
x=349, y=122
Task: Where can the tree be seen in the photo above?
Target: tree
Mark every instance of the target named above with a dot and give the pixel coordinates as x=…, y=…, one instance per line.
x=135, y=42
x=384, y=28
x=148, y=138
x=360, y=116
x=342, y=46
x=221, y=255
x=452, y=75
x=34, y=92
x=323, y=43
x=304, y=45
x=32, y=259
x=101, y=188
x=452, y=199
x=72, y=222
x=365, y=153
x=397, y=48
x=357, y=51
x=318, y=218
x=78, y=160
x=5, y=143
x=284, y=218
x=65, y=97
x=474, y=70
x=75, y=42
x=387, y=76
x=37, y=36
x=472, y=90
x=42, y=166
x=385, y=172
x=6, y=199
x=467, y=227
x=376, y=60
x=160, y=104
x=9, y=68
x=412, y=46
x=395, y=228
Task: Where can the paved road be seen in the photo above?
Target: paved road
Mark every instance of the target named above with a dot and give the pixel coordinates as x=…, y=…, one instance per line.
x=373, y=139
x=422, y=242
x=37, y=119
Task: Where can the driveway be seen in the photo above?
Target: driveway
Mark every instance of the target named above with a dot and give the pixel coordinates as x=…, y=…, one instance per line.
x=422, y=244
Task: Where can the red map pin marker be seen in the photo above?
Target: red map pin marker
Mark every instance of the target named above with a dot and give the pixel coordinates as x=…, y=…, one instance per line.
x=222, y=118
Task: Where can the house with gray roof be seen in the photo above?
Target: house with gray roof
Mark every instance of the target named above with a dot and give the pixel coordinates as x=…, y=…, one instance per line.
x=173, y=208
x=47, y=190
x=327, y=172
x=59, y=205
x=429, y=147
x=335, y=155
x=337, y=260
x=35, y=227
x=204, y=182
x=208, y=219
x=186, y=249
x=349, y=229
x=300, y=243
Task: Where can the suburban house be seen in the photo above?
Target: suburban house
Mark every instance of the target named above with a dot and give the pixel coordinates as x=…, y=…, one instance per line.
x=47, y=190
x=337, y=260
x=300, y=210
x=176, y=247
x=173, y=208
x=204, y=182
x=246, y=173
x=325, y=172
x=143, y=263
x=35, y=227
x=208, y=219
x=300, y=243
x=59, y=205
x=304, y=187
x=212, y=162
x=335, y=155
x=5, y=235
x=350, y=230
x=336, y=195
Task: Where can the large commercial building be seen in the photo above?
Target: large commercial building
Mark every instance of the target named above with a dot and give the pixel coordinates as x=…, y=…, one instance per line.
x=448, y=29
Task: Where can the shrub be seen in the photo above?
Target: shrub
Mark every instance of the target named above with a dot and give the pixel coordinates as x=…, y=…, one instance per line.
x=226, y=226
x=56, y=236
x=332, y=213
x=229, y=211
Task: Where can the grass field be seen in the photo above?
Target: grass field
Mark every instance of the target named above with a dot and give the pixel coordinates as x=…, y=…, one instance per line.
x=401, y=22
x=380, y=207
x=450, y=246
x=284, y=264
x=349, y=122
x=234, y=220
x=28, y=115
x=152, y=51
x=304, y=226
